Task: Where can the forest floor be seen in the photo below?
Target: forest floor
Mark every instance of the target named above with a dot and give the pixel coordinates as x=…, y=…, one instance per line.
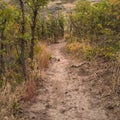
x=70, y=92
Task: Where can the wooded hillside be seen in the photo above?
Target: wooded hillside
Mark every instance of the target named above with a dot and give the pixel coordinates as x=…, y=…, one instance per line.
x=90, y=30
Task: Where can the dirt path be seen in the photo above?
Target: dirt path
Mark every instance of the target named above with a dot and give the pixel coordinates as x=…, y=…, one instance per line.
x=63, y=96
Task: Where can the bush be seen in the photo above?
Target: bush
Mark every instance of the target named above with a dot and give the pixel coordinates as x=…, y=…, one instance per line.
x=99, y=23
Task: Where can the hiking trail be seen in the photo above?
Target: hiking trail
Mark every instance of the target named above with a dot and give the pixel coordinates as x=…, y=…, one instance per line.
x=63, y=96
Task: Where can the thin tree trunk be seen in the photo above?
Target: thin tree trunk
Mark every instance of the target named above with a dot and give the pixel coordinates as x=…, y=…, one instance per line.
x=33, y=27
x=2, y=67
x=22, y=45
x=2, y=64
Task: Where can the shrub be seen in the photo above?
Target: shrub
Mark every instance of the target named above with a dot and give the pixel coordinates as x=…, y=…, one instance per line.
x=99, y=23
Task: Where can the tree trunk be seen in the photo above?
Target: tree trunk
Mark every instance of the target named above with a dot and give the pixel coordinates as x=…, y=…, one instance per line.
x=22, y=45
x=2, y=67
x=2, y=64
x=33, y=27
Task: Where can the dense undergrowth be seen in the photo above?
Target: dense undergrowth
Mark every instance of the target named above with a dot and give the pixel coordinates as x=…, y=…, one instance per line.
x=95, y=29
x=14, y=94
x=94, y=36
x=24, y=35
x=92, y=32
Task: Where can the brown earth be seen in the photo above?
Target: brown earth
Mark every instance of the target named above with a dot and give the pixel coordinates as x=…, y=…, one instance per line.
x=73, y=91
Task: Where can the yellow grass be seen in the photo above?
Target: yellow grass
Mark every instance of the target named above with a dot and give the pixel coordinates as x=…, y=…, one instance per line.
x=9, y=102
x=78, y=47
x=42, y=55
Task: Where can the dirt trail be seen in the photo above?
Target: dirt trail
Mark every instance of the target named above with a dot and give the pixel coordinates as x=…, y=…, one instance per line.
x=63, y=96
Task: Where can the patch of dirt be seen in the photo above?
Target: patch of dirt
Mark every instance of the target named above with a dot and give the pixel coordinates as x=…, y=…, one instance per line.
x=100, y=85
x=73, y=93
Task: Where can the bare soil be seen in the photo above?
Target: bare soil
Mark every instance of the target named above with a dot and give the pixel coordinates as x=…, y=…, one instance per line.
x=71, y=92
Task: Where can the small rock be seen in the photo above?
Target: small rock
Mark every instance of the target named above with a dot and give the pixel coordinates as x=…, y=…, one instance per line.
x=82, y=108
x=62, y=111
x=6, y=118
x=48, y=106
x=32, y=116
x=58, y=59
x=110, y=107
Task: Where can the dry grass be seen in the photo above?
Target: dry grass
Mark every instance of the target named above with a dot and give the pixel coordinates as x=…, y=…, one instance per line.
x=80, y=48
x=116, y=77
x=42, y=55
x=41, y=58
x=35, y=70
x=67, y=37
x=10, y=102
x=9, y=106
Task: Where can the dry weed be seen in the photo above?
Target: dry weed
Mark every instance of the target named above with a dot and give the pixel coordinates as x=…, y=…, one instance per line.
x=10, y=101
x=41, y=59
x=78, y=48
x=9, y=105
x=116, y=77
x=35, y=70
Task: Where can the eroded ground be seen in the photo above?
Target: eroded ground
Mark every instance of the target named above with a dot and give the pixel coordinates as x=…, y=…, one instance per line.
x=71, y=92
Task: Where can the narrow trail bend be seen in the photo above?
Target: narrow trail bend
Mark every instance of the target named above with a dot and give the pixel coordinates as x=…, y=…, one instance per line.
x=63, y=96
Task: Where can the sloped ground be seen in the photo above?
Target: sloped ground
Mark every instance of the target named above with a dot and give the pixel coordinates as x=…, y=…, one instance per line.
x=102, y=86
x=71, y=92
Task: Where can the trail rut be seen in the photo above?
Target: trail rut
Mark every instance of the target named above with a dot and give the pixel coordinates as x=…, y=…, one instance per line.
x=63, y=96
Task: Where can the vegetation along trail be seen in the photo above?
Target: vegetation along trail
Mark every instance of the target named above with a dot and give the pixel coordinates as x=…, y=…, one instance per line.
x=63, y=96
x=59, y=59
